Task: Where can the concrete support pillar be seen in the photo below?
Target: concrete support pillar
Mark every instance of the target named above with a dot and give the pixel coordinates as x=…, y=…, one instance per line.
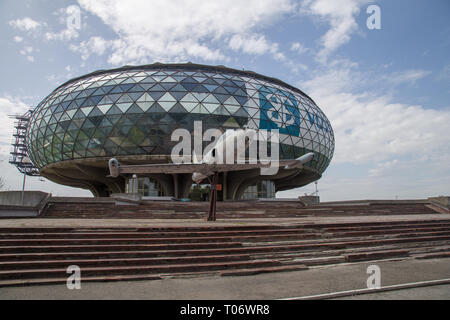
x=176, y=187
x=185, y=184
x=166, y=182
x=224, y=186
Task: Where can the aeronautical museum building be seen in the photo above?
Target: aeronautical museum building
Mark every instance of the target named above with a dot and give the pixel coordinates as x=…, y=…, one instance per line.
x=130, y=113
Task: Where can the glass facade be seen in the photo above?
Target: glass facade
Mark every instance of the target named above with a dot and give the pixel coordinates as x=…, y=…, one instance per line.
x=133, y=111
x=263, y=189
x=144, y=186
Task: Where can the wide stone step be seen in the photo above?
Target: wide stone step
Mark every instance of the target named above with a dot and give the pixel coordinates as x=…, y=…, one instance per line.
x=240, y=233
x=123, y=258
x=327, y=226
x=225, y=248
x=63, y=280
x=274, y=237
x=53, y=269
x=103, y=278
x=420, y=247
x=435, y=255
x=117, y=247
x=133, y=270
x=175, y=243
x=170, y=210
x=365, y=256
x=234, y=268
x=98, y=261
x=388, y=226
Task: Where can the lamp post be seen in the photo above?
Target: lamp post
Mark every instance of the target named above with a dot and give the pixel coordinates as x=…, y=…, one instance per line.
x=23, y=188
x=27, y=161
x=213, y=197
x=135, y=184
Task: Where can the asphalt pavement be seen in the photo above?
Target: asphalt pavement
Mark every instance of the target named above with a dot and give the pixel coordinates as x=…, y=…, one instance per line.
x=279, y=285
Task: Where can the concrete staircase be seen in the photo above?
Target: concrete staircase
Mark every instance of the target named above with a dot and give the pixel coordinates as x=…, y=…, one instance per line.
x=225, y=210
x=42, y=255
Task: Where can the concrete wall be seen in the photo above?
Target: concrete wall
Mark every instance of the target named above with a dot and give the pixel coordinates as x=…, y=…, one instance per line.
x=443, y=201
x=30, y=198
x=310, y=200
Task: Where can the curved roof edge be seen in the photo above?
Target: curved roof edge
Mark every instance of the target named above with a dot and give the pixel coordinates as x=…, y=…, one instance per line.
x=188, y=65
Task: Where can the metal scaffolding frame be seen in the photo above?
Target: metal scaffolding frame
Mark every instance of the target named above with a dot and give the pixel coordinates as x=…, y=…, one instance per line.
x=19, y=152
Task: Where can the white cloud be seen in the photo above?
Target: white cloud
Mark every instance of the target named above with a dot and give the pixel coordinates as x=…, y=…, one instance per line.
x=18, y=39
x=26, y=50
x=63, y=35
x=95, y=45
x=298, y=48
x=384, y=148
x=71, y=18
x=65, y=17
x=444, y=74
x=179, y=30
x=408, y=76
x=370, y=127
x=382, y=167
x=255, y=44
x=340, y=15
x=25, y=24
x=9, y=106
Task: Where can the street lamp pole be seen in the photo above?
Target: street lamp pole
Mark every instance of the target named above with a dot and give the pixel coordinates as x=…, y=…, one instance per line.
x=23, y=188
x=213, y=197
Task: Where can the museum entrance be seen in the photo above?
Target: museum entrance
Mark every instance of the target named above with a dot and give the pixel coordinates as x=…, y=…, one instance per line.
x=199, y=192
x=145, y=187
x=264, y=189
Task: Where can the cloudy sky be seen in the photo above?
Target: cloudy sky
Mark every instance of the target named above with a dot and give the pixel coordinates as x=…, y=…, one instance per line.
x=386, y=91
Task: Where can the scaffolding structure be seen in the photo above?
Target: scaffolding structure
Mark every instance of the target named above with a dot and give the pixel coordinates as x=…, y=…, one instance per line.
x=19, y=152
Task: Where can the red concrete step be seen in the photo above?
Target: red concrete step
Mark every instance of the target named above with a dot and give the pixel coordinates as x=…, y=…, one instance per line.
x=24, y=241
x=97, y=261
x=50, y=245
x=156, y=234
x=63, y=280
x=104, y=278
x=227, y=210
x=253, y=271
x=41, y=255
x=344, y=225
x=53, y=270
x=388, y=226
x=435, y=255
x=118, y=270
x=102, y=241
x=224, y=248
x=327, y=226
x=413, y=248
x=312, y=258
x=205, y=234
x=375, y=255
x=117, y=247
x=390, y=231
x=11, y=257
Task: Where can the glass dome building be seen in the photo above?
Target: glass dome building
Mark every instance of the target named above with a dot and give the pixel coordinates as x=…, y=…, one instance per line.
x=130, y=112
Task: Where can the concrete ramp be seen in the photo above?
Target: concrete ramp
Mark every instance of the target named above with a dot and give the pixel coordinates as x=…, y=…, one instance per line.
x=440, y=204
x=13, y=204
